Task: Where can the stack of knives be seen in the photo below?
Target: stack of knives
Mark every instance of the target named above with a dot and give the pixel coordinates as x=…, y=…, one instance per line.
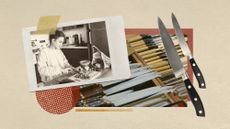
x=149, y=51
x=137, y=91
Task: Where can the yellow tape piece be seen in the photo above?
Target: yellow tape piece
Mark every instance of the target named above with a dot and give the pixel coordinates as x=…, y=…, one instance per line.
x=47, y=24
x=102, y=110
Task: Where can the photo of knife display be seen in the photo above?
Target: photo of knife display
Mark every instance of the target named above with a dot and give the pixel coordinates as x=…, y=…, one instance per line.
x=155, y=58
x=152, y=82
x=187, y=52
x=178, y=68
x=147, y=57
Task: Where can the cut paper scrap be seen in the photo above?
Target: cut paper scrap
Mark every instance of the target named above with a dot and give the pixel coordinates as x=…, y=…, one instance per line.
x=103, y=110
x=47, y=24
x=56, y=101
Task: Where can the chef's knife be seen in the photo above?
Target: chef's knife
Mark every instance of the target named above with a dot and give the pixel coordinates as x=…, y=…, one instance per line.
x=178, y=69
x=187, y=52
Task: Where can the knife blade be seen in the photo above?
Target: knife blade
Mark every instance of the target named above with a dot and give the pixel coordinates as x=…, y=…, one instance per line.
x=131, y=83
x=187, y=52
x=178, y=70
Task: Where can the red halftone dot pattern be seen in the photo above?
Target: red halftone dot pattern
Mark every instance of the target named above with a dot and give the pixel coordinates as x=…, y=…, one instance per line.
x=58, y=101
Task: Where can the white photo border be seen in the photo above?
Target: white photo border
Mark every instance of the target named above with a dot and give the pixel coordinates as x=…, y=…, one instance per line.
x=117, y=49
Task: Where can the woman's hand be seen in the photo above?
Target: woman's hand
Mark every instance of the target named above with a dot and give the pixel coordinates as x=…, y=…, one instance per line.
x=67, y=70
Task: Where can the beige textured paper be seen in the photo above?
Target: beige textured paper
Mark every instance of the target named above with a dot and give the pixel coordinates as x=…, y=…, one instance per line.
x=210, y=20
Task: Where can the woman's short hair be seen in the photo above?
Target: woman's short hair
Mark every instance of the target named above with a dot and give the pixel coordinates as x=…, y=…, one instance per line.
x=56, y=35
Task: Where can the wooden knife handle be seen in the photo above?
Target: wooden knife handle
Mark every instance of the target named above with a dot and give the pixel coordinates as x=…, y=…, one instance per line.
x=198, y=74
x=195, y=98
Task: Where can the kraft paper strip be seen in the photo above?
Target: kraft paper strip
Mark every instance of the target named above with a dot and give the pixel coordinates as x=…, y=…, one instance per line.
x=47, y=24
x=102, y=110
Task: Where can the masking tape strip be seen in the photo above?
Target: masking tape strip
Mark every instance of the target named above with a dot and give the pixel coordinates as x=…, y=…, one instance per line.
x=47, y=24
x=103, y=110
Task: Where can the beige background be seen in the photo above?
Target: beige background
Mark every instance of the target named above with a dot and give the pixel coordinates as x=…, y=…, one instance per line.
x=211, y=23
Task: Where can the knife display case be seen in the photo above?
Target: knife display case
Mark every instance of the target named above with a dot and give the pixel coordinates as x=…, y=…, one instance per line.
x=152, y=82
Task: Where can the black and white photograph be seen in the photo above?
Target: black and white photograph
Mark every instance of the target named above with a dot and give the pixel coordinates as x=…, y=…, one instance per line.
x=76, y=54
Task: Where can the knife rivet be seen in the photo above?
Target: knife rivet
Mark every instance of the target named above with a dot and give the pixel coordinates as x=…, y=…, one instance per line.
x=195, y=99
x=200, y=111
x=189, y=86
x=202, y=84
x=193, y=64
x=198, y=74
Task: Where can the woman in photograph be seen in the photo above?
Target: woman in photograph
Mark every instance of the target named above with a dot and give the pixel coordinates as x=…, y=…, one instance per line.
x=52, y=63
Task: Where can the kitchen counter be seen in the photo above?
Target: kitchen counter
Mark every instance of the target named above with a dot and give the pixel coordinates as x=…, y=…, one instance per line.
x=72, y=78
